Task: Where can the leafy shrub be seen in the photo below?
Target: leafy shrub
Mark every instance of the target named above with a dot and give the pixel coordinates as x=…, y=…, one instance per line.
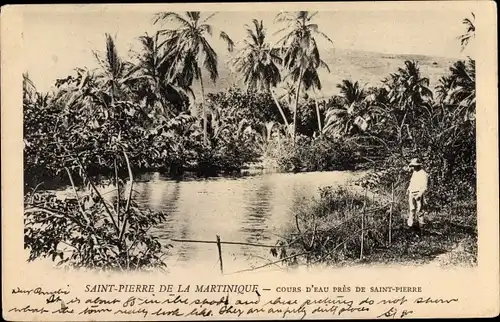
x=85, y=233
x=255, y=107
x=307, y=118
x=320, y=154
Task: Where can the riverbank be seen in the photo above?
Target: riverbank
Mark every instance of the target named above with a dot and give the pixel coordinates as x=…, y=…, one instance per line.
x=333, y=231
x=252, y=209
x=317, y=213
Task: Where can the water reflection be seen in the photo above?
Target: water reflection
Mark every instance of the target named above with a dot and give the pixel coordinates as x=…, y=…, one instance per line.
x=258, y=208
x=253, y=209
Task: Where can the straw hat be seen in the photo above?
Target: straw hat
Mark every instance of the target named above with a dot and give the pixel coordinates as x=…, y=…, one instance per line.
x=414, y=163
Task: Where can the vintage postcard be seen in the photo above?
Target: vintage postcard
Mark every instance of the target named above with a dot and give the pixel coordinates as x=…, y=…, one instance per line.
x=249, y=161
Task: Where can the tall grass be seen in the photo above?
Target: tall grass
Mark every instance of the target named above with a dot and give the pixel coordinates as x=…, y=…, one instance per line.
x=329, y=230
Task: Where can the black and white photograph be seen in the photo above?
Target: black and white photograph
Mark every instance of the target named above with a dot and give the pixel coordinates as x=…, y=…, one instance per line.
x=235, y=142
x=269, y=130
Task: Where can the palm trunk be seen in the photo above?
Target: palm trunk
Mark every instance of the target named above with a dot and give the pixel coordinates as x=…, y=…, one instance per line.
x=279, y=108
x=296, y=106
x=113, y=93
x=203, y=107
x=400, y=132
x=317, y=113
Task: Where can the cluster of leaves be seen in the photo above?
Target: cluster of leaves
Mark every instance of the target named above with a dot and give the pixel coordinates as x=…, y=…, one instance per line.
x=89, y=232
x=256, y=108
x=320, y=154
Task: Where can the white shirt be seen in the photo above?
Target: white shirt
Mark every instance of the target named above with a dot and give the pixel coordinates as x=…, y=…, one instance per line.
x=418, y=181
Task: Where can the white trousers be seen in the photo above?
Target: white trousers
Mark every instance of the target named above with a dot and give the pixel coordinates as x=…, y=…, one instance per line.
x=415, y=205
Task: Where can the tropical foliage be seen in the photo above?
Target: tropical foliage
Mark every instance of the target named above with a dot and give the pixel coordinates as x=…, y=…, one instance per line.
x=300, y=52
x=256, y=61
x=470, y=31
x=189, y=50
x=142, y=114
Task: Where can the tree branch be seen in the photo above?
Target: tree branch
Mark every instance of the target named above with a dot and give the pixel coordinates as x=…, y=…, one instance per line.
x=101, y=199
x=127, y=207
x=118, y=195
x=76, y=195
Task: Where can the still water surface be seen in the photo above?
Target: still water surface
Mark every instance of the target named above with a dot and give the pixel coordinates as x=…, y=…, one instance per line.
x=252, y=209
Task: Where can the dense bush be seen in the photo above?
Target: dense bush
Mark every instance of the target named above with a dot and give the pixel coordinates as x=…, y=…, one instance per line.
x=75, y=123
x=315, y=154
x=255, y=107
x=88, y=232
x=230, y=152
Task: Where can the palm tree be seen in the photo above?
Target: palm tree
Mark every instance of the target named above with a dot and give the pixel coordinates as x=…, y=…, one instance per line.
x=464, y=79
x=102, y=87
x=310, y=79
x=351, y=92
x=189, y=48
x=459, y=88
x=470, y=32
x=116, y=74
x=352, y=114
x=299, y=48
x=443, y=88
x=409, y=93
x=106, y=87
x=258, y=63
x=409, y=89
x=154, y=86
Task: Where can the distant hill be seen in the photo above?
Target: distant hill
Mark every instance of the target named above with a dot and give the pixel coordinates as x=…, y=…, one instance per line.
x=368, y=68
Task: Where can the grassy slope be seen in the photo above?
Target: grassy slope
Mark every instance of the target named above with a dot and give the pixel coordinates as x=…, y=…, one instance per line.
x=444, y=241
x=449, y=237
x=369, y=68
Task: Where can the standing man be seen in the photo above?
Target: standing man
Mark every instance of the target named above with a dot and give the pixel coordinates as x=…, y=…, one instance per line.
x=416, y=192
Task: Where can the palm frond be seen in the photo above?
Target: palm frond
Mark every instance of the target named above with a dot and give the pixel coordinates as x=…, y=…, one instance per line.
x=113, y=62
x=171, y=16
x=206, y=28
x=229, y=42
x=210, y=60
x=325, y=36
x=324, y=65
x=193, y=15
x=209, y=17
x=312, y=15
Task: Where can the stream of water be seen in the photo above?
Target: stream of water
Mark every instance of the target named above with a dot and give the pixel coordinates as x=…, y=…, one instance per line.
x=250, y=209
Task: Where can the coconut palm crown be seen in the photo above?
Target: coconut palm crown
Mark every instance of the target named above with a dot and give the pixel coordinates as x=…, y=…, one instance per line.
x=190, y=50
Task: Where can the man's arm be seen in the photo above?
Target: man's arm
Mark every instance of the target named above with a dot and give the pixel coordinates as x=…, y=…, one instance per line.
x=423, y=185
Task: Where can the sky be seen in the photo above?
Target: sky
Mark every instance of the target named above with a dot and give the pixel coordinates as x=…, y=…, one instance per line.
x=57, y=41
